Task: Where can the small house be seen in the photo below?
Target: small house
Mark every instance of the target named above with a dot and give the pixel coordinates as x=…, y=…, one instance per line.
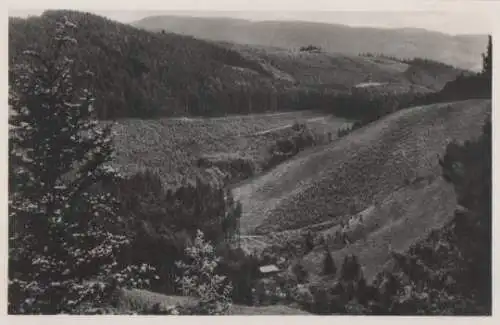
x=268, y=270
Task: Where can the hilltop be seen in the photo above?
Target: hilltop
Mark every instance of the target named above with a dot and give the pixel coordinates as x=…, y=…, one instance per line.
x=388, y=171
x=460, y=50
x=138, y=73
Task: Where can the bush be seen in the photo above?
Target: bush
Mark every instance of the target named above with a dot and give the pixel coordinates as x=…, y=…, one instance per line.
x=285, y=148
x=309, y=241
x=243, y=272
x=310, y=48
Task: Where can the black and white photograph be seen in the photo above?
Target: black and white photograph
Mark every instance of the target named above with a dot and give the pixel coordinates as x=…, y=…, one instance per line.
x=267, y=162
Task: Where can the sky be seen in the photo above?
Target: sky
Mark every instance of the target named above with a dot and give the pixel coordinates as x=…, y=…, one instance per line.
x=447, y=16
x=450, y=22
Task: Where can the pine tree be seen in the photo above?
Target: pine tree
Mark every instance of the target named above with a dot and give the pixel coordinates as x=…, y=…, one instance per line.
x=329, y=267
x=309, y=241
x=61, y=252
x=351, y=269
x=487, y=57
x=300, y=272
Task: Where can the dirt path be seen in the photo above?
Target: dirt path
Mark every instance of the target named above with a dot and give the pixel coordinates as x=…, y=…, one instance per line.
x=315, y=119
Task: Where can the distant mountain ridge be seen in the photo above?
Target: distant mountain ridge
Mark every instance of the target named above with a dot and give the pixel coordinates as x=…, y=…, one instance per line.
x=463, y=51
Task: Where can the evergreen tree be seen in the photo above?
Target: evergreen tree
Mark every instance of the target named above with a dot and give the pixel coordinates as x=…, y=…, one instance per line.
x=201, y=280
x=329, y=267
x=300, y=272
x=487, y=57
x=351, y=269
x=309, y=241
x=61, y=251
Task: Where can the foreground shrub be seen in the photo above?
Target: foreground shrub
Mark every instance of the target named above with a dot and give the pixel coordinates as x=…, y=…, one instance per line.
x=200, y=280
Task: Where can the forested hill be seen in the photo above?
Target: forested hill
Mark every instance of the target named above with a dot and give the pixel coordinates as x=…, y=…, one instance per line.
x=138, y=73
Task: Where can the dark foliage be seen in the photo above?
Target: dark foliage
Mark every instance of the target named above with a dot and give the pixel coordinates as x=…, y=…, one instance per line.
x=288, y=146
x=487, y=59
x=162, y=222
x=351, y=269
x=300, y=272
x=329, y=267
x=243, y=272
x=310, y=48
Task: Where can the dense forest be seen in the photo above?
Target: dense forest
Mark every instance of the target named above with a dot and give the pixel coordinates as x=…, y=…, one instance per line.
x=137, y=73
x=79, y=231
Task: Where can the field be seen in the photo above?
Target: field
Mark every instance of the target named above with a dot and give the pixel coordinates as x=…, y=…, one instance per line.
x=388, y=169
x=136, y=300
x=171, y=146
x=340, y=72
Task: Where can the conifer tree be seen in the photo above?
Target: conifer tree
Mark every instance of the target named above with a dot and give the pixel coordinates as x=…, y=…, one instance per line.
x=201, y=280
x=351, y=269
x=487, y=57
x=61, y=251
x=309, y=241
x=329, y=267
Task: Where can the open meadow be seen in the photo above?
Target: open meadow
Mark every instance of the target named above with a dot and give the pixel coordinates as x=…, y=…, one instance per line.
x=171, y=146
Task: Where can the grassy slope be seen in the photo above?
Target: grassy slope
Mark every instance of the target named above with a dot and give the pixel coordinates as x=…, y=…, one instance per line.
x=170, y=146
x=367, y=169
x=134, y=300
x=340, y=72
